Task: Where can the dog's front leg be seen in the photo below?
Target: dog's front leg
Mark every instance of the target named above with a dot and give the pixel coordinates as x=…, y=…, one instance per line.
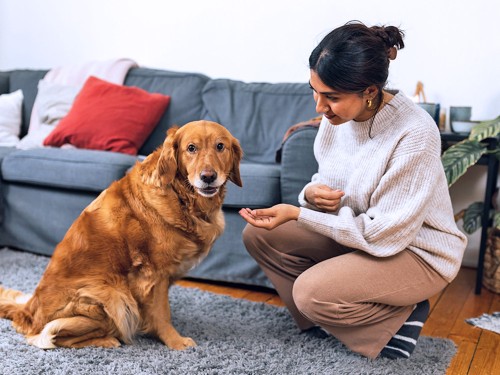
x=161, y=317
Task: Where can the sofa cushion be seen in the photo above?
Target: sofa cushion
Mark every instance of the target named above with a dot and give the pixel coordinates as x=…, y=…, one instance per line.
x=185, y=105
x=11, y=106
x=258, y=114
x=4, y=151
x=54, y=101
x=109, y=117
x=73, y=169
x=261, y=186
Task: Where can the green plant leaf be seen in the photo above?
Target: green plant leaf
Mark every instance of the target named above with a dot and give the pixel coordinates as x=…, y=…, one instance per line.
x=485, y=129
x=496, y=220
x=472, y=217
x=459, y=157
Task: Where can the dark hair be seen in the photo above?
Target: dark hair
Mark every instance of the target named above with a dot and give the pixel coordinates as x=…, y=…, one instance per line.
x=354, y=56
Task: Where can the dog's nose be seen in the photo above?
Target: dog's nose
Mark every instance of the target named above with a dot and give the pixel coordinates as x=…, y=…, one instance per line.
x=208, y=176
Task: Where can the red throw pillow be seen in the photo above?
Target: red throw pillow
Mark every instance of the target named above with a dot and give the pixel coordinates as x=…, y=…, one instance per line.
x=110, y=117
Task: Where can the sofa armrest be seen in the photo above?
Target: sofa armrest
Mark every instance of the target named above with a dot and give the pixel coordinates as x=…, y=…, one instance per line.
x=298, y=163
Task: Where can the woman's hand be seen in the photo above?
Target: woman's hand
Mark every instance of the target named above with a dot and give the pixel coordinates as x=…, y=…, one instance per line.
x=324, y=197
x=270, y=218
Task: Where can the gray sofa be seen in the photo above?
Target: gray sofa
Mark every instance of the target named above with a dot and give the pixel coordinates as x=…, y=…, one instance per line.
x=43, y=190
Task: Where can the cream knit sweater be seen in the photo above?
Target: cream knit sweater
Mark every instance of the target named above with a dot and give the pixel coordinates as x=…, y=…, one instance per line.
x=396, y=194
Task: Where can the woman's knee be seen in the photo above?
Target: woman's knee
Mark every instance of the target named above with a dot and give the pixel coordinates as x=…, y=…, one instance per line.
x=248, y=233
x=306, y=294
x=256, y=241
x=249, y=236
x=317, y=300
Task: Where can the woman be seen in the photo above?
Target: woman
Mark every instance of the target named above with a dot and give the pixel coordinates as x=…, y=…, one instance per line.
x=374, y=236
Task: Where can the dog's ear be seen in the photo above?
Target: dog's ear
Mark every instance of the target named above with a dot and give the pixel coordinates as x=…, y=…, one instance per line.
x=167, y=163
x=234, y=175
x=160, y=167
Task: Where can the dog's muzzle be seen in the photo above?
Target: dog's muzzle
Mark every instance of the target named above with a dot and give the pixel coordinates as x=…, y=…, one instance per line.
x=208, y=185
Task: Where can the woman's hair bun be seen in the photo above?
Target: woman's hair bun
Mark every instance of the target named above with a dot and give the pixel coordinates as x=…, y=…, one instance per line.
x=392, y=37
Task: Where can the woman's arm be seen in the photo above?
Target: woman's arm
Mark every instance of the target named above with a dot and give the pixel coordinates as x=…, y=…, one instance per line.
x=270, y=218
x=397, y=208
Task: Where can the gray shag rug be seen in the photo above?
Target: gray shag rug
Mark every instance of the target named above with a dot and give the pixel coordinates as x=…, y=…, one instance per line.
x=234, y=336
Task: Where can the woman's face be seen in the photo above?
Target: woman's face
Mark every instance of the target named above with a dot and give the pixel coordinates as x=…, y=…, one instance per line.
x=340, y=107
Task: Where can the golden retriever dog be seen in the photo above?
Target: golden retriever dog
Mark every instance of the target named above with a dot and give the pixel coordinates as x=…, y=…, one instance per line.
x=109, y=277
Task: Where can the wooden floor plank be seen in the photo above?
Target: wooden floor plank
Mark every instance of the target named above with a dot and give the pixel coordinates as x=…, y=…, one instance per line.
x=258, y=296
x=487, y=356
x=461, y=362
x=276, y=300
x=486, y=359
x=214, y=288
x=495, y=303
x=474, y=306
x=434, y=300
x=448, y=308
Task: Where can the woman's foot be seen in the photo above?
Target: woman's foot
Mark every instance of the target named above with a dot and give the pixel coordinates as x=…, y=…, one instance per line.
x=404, y=341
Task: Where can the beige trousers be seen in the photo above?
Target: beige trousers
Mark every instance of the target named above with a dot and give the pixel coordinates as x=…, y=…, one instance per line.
x=360, y=299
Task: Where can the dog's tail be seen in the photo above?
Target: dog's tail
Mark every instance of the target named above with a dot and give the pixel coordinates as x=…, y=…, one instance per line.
x=12, y=304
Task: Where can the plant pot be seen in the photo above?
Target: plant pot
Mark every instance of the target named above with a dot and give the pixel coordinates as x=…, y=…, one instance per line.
x=491, y=275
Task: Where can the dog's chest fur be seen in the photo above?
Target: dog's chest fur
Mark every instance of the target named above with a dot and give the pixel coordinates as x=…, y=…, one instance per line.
x=180, y=239
x=160, y=262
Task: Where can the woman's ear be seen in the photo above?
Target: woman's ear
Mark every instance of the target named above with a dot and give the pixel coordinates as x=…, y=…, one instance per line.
x=370, y=92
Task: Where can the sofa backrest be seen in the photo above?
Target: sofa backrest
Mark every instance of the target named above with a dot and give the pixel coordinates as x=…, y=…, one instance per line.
x=26, y=80
x=258, y=114
x=185, y=103
x=4, y=83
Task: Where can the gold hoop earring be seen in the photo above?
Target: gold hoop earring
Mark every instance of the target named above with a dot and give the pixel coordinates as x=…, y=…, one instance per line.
x=369, y=104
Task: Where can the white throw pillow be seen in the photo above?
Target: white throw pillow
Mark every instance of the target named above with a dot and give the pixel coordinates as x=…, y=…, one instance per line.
x=53, y=103
x=10, y=118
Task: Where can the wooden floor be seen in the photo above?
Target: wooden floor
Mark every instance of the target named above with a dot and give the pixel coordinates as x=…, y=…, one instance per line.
x=478, y=350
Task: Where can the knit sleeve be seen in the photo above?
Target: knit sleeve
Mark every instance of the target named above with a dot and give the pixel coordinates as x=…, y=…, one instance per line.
x=302, y=196
x=397, y=208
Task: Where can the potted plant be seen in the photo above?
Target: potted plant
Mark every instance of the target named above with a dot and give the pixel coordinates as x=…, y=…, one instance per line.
x=456, y=160
x=463, y=155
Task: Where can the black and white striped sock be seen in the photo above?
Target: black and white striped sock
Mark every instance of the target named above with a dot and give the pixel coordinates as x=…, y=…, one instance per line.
x=402, y=344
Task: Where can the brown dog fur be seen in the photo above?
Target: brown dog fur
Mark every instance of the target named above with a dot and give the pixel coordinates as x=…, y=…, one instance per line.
x=109, y=277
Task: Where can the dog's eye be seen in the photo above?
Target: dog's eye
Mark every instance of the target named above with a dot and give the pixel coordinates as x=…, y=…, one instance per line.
x=191, y=148
x=220, y=146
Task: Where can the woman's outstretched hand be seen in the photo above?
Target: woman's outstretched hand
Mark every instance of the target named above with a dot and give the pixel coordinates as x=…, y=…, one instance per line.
x=270, y=218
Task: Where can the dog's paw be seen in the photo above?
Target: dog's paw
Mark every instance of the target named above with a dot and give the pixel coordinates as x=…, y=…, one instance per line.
x=42, y=340
x=181, y=343
x=108, y=342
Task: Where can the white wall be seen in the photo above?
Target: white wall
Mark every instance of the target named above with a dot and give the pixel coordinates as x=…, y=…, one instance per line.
x=451, y=45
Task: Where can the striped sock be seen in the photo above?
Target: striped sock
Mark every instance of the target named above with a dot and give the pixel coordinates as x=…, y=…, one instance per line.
x=402, y=344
